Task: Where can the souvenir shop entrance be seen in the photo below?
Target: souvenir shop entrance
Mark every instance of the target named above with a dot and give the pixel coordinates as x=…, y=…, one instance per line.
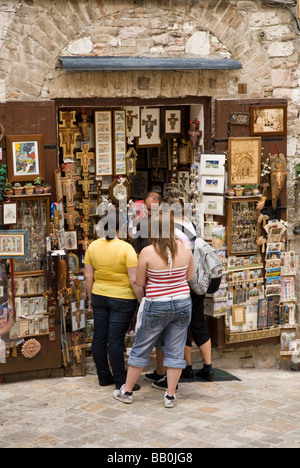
x=93, y=152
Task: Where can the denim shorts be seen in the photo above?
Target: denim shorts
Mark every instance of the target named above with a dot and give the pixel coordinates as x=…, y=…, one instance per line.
x=172, y=318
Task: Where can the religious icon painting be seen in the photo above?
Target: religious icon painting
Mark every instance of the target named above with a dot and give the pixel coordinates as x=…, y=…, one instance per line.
x=183, y=178
x=71, y=240
x=172, y=123
x=25, y=157
x=150, y=128
x=132, y=121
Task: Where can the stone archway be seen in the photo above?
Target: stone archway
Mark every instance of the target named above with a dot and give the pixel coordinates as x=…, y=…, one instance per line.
x=101, y=28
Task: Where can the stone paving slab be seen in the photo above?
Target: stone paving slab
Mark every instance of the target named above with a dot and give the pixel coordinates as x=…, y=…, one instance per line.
x=263, y=410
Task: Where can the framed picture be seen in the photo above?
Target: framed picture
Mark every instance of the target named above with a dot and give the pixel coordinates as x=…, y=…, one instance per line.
x=213, y=205
x=172, y=123
x=73, y=262
x=120, y=142
x=71, y=240
x=212, y=164
x=132, y=121
x=120, y=190
x=131, y=157
x=58, y=185
x=150, y=128
x=268, y=120
x=10, y=213
x=103, y=143
x=212, y=184
x=183, y=178
x=14, y=244
x=25, y=157
x=238, y=315
x=244, y=161
x=62, y=239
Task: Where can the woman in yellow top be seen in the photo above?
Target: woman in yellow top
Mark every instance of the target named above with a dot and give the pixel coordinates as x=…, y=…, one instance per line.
x=110, y=268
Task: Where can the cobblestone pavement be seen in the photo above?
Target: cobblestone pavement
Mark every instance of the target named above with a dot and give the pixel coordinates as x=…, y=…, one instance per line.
x=263, y=410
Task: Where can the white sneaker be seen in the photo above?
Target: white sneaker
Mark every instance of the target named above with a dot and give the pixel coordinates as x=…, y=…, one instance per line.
x=170, y=401
x=124, y=397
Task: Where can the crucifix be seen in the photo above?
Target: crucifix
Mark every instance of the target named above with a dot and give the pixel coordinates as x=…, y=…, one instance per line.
x=85, y=157
x=68, y=132
x=85, y=225
x=72, y=217
x=172, y=120
x=85, y=206
x=86, y=186
x=149, y=126
x=84, y=125
x=69, y=187
x=129, y=119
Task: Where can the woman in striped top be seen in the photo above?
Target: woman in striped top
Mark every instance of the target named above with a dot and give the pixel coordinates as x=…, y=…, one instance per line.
x=164, y=268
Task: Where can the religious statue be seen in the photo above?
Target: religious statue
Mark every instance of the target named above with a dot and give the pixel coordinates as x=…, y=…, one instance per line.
x=195, y=132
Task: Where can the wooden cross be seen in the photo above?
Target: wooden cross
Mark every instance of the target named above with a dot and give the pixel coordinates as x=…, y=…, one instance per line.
x=72, y=218
x=85, y=225
x=84, y=125
x=85, y=157
x=69, y=188
x=129, y=119
x=85, y=206
x=149, y=126
x=68, y=132
x=86, y=186
x=173, y=119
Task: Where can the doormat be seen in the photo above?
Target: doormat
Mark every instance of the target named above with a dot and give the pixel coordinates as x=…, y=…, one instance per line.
x=219, y=376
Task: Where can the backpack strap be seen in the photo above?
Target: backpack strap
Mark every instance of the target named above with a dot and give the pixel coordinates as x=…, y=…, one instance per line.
x=186, y=231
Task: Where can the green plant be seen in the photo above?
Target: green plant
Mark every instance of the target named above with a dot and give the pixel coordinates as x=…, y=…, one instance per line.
x=17, y=185
x=38, y=181
x=248, y=187
x=29, y=184
x=297, y=169
x=3, y=179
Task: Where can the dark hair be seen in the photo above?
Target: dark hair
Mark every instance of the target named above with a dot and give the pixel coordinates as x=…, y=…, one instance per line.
x=112, y=223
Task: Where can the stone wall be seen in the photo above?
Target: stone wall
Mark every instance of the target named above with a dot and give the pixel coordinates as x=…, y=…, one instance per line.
x=264, y=39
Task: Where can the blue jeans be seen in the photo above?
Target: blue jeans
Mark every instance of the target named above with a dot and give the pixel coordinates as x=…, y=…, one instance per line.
x=173, y=319
x=112, y=317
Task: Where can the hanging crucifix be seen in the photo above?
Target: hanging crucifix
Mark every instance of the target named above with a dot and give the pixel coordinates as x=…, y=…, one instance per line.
x=85, y=157
x=129, y=119
x=85, y=225
x=68, y=132
x=85, y=206
x=149, y=126
x=72, y=217
x=172, y=121
x=69, y=187
x=84, y=125
x=86, y=186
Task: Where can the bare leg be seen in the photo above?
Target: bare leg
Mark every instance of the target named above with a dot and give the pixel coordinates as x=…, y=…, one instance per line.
x=173, y=376
x=188, y=355
x=205, y=350
x=133, y=374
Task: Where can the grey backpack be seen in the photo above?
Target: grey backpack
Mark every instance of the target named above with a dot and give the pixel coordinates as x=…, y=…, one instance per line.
x=207, y=267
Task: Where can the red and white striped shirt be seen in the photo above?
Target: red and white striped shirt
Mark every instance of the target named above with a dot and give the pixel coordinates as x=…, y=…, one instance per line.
x=167, y=283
